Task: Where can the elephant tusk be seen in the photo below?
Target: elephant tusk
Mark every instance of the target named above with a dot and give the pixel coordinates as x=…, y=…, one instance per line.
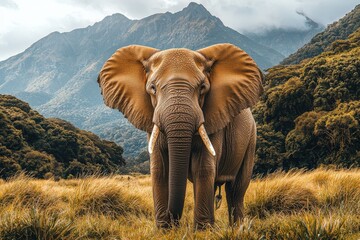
x=154, y=135
x=206, y=140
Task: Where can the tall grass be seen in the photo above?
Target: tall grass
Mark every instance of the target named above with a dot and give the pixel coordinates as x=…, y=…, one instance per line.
x=321, y=204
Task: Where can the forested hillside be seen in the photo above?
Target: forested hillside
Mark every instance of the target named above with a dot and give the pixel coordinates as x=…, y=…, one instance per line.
x=310, y=112
x=339, y=30
x=47, y=148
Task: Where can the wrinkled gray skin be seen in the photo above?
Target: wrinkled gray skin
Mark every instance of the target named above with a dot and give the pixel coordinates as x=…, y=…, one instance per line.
x=181, y=154
x=233, y=164
x=185, y=87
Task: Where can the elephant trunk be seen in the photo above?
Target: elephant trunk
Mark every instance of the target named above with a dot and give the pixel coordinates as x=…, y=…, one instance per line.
x=179, y=130
x=179, y=158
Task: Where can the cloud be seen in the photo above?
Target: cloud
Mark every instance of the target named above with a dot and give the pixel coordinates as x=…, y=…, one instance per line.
x=243, y=15
x=259, y=15
x=23, y=22
x=327, y=11
x=256, y=16
x=8, y=4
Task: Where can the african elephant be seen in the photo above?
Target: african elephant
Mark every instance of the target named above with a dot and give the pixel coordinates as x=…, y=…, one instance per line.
x=174, y=95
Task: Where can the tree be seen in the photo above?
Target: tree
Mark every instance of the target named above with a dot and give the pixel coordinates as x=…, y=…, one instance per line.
x=38, y=164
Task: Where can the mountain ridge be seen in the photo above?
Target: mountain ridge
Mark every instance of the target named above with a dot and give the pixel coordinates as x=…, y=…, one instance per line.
x=339, y=30
x=57, y=74
x=287, y=41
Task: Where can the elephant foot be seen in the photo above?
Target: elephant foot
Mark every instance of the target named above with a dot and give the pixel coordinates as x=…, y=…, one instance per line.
x=168, y=222
x=163, y=225
x=168, y=225
x=236, y=217
x=201, y=226
x=163, y=220
x=174, y=220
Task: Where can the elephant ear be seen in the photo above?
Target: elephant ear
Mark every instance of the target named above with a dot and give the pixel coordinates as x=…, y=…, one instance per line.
x=122, y=80
x=235, y=84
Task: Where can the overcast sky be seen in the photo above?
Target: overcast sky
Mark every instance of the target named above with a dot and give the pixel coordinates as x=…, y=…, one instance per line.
x=22, y=22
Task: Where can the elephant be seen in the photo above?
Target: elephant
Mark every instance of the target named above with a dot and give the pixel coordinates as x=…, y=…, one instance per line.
x=195, y=108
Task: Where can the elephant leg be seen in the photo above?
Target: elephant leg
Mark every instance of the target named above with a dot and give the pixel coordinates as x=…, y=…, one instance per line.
x=203, y=172
x=159, y=176
x=235, y=190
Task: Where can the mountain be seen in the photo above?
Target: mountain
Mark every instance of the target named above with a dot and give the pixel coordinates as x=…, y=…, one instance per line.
x=287, y=41
x=57, y=74
x=339, y=30
x=50, y=147
x=309, y=114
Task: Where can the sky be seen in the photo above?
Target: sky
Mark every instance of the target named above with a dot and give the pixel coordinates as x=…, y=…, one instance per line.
x=23, y=22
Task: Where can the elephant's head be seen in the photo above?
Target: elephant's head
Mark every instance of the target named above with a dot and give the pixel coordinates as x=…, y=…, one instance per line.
x=180, y=92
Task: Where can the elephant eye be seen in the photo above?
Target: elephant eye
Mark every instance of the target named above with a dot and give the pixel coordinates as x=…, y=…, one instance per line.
x=153, y=89
x=147, y=69
x=202, y=88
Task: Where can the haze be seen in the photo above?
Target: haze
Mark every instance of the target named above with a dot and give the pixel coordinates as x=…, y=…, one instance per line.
x=24, y=22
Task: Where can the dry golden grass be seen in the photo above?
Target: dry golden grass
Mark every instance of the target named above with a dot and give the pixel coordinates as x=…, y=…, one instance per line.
x=321, y=204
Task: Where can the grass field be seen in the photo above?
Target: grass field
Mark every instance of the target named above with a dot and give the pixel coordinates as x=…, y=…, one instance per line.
x=322, y=204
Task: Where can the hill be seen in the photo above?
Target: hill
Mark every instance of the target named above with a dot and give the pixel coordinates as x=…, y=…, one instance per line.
x=310, y=112
x=57, y=74
x=339, y=30
x=47, y=148
x=323, y=204
x=287, y=41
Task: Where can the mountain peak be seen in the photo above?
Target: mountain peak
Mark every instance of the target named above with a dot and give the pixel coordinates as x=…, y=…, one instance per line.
x=196, y=9
x=338, y=30
x=309, y=22
x=116, y=17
